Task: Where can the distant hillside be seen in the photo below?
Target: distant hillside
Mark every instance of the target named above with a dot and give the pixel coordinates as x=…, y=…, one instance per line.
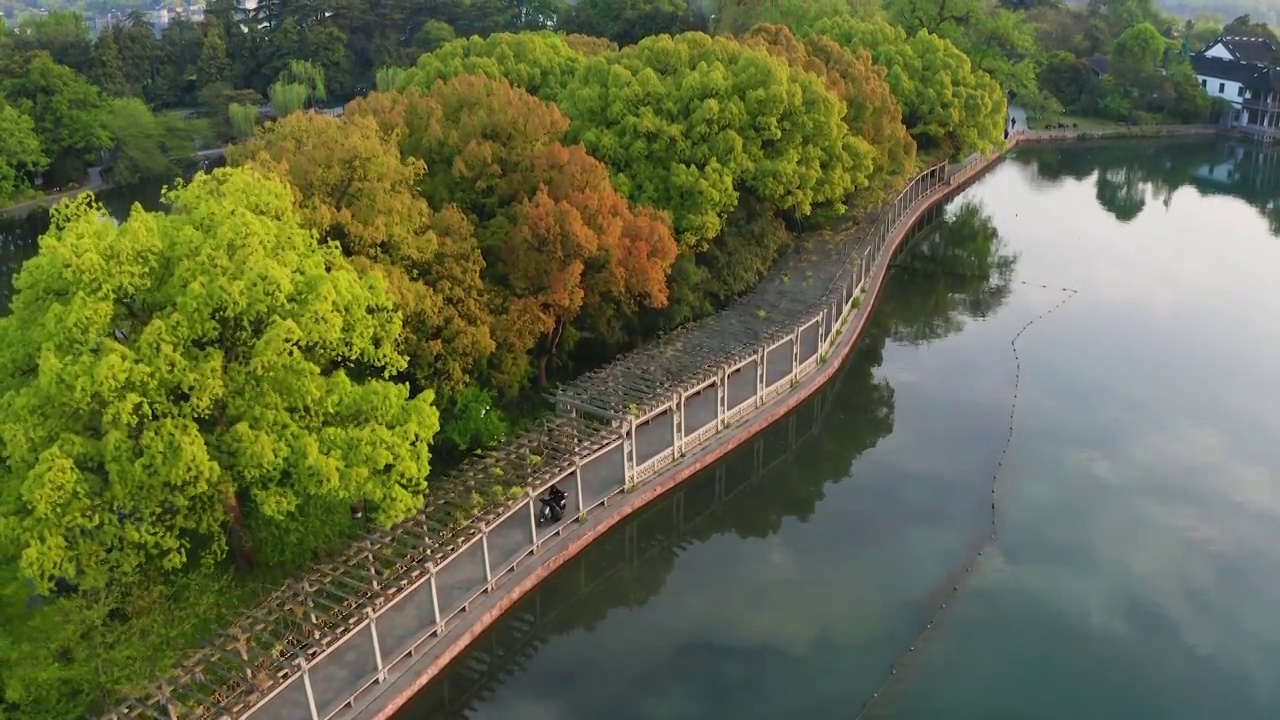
x=1267, y=11
x=12, y=8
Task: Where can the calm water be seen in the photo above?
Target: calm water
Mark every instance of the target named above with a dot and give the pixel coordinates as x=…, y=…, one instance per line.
x=1137, y=569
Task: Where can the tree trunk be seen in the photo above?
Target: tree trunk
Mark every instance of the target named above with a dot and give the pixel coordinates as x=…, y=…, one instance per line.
x=552, y=340
x=237, y=534
x=542, y=371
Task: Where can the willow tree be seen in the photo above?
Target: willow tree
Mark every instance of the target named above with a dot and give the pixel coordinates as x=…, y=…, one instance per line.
x=244, y=118
x=388, y=78
x=174, y=385
x=299, y=86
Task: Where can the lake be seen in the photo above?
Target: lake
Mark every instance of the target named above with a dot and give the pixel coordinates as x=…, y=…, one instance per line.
x=1122, y=451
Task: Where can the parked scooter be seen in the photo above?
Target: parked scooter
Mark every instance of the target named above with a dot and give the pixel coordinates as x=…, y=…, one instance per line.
x=553, y=506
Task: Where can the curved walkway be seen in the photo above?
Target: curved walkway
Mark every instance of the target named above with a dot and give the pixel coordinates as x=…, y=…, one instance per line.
x=381, y=700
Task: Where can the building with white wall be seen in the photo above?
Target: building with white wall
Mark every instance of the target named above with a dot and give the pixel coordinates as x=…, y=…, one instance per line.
x=1246, y=73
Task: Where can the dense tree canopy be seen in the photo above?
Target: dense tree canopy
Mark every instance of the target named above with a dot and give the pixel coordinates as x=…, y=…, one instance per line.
x=871, y=111
x=19, y=148
x=687, y=123
x=542, y=63
x=172, y=379
x=353, y=188
x=559, y=242
x=361, y=298
x=67, y=112
x=945, y=101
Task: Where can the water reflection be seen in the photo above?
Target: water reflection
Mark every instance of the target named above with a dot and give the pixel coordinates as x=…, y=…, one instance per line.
x=1128, y=174
x=782, y=475
x=960, y=269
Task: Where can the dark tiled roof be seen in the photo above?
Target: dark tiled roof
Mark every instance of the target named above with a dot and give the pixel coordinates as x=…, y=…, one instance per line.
x=1100, y=65
x=1248, y=74
x=1254, y=50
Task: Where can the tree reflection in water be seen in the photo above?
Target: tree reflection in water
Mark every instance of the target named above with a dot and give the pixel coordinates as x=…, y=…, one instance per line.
x=955, y=269
x=1128, y=174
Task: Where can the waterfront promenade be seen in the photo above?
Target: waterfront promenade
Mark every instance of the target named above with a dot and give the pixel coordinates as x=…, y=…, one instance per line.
x=356, y=639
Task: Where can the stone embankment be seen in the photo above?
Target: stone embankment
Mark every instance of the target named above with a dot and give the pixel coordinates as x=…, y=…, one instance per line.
x=1125, y=131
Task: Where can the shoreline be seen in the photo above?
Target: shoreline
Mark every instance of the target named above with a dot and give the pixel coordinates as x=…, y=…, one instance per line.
x=94, y=184
x=1129, y=132
x=381, y=701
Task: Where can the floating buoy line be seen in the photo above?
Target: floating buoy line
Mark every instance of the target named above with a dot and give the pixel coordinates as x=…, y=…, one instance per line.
x=945, y=595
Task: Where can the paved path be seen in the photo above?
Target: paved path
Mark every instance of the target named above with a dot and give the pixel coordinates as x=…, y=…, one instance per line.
x=95, y=183
x=1017, y=113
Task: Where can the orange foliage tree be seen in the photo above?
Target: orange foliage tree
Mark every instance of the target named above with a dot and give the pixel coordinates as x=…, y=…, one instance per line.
x=564, y=252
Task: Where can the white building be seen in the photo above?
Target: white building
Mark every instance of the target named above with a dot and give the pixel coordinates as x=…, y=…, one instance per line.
x=1246, y=73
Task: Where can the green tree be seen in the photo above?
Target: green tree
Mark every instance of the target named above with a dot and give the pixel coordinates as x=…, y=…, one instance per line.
x=1066, y=77
x=20, y=151
x=68, y=113
x=145, y=144
x=140, y=55
x=301, y=85
x=243, y=119
x=61, y=33
x=1138, y=51
x=355, y=189
x=947, y=105
x=541, y=63
x=871, y=111
x=173, y=83
x=432, y=35
x=108, y=70
x=737, y=16
x=687, y=123
x=175, y=380
x=627, y=22
x=564, y=252
x=214, y=66
x=388, y=79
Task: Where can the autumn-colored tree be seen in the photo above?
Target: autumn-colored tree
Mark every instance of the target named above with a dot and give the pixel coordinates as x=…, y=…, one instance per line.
x=588, y=45
x=171, y=384
x=871, y=110
x=562, y=248
x=542, y=63
x=687, y=123
x=354, y=188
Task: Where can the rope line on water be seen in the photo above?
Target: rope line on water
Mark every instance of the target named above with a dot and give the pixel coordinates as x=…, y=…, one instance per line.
x=946, y=592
